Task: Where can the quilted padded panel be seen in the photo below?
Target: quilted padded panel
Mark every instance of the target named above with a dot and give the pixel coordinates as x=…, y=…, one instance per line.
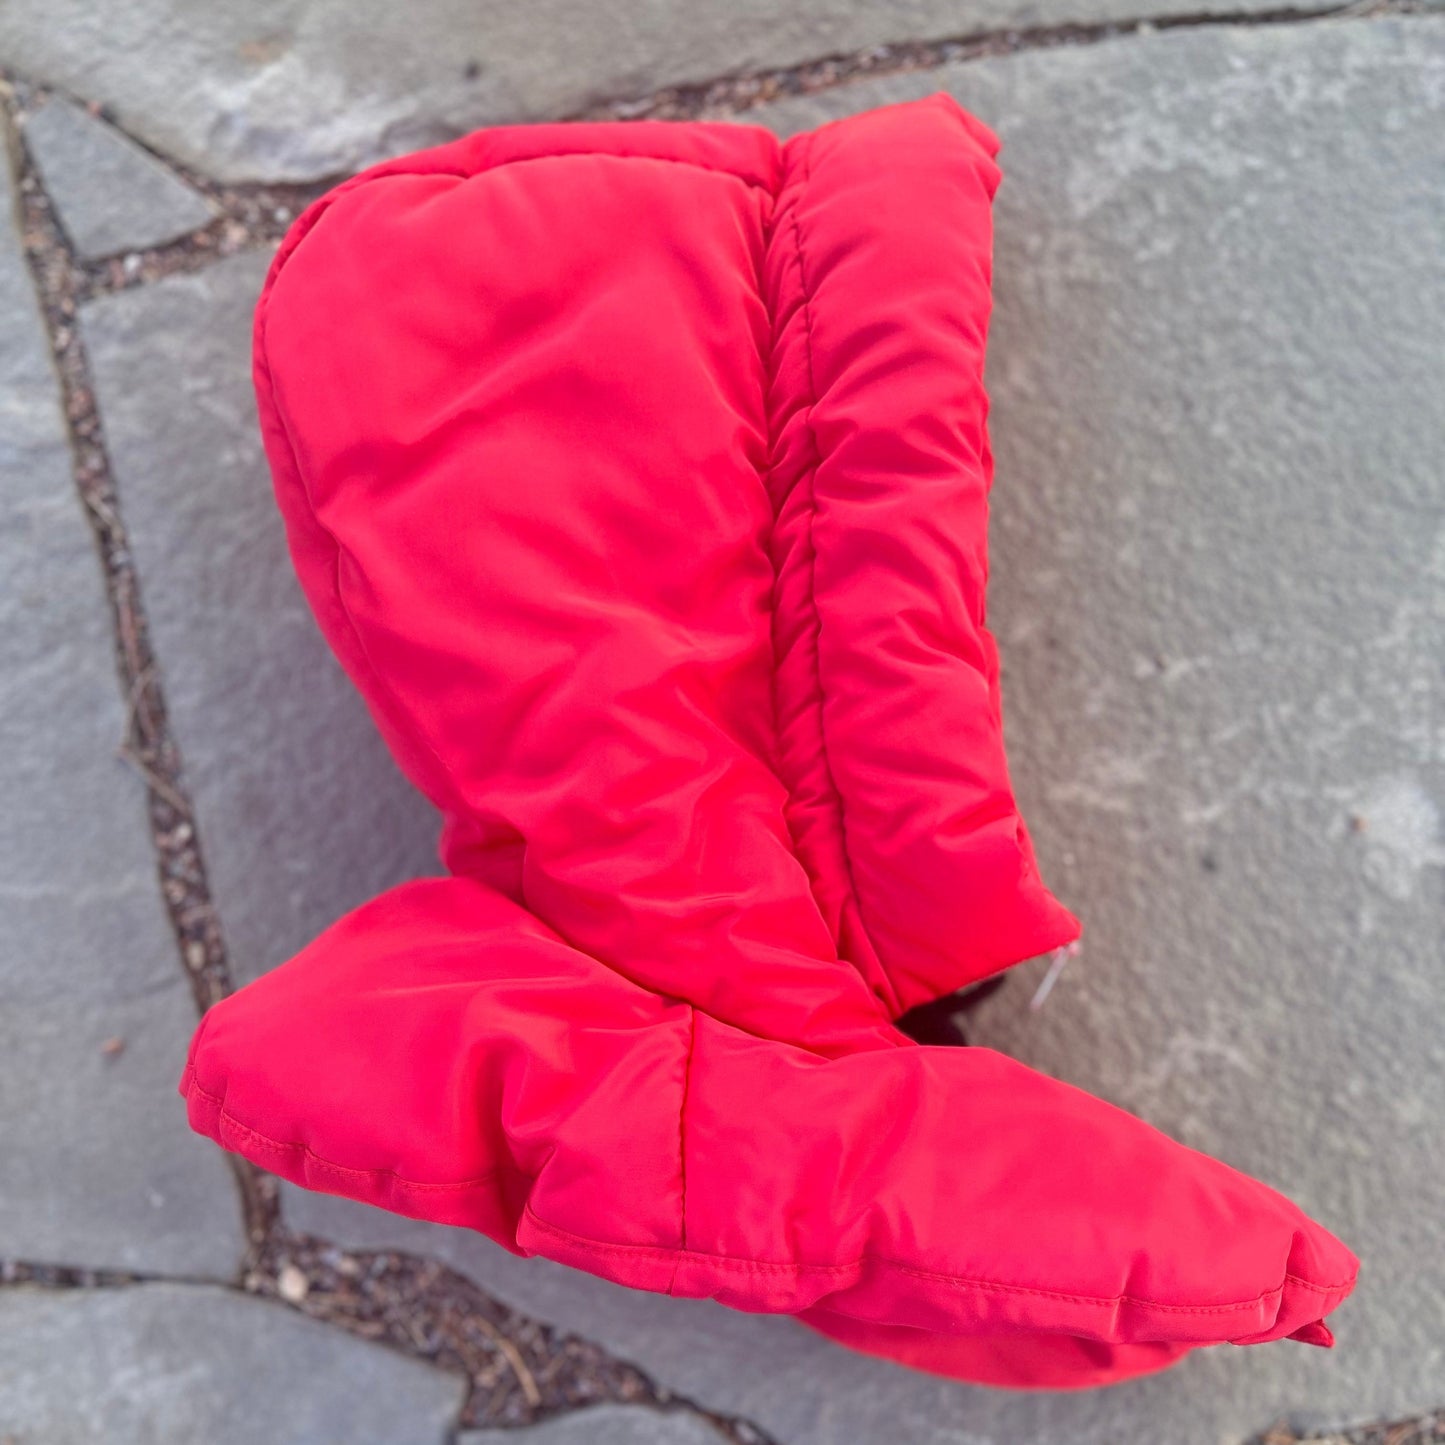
x=638, y=475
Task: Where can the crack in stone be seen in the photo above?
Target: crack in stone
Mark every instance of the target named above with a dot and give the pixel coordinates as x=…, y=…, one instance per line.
x=520, y=1370
x=1428, y=1429
x=247, y=216
x=147, y=743
x=45, y=1274
x=732, y=95
x=251, y=215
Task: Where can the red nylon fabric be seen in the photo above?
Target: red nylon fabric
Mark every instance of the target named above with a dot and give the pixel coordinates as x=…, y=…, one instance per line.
x=638, y=476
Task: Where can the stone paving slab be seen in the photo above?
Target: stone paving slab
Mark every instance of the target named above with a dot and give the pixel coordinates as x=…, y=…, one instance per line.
x=109, y=194
x=175, y=1365
x=604, y=1425
x=1219, y=584
x=297, y=89
x=96, y=1165
x=302, y=814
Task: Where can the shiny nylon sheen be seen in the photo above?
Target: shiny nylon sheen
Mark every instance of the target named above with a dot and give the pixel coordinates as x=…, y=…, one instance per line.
x=638, y=475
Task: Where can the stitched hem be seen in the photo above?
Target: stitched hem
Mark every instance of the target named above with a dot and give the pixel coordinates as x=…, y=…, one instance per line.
x=960, y=1282
x=191, y=1088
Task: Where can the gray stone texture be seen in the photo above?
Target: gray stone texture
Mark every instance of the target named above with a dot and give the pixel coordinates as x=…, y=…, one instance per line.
x=295, y=89
x=109, y=193
x=302, y=814
x=176, y=1365
x=1219, y=585
x=96, y=1164
x=604, y=1425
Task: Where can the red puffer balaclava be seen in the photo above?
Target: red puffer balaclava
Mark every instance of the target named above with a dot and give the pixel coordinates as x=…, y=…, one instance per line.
x=638, y=476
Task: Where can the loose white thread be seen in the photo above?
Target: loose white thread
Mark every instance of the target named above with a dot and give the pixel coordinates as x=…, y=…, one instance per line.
x=1046, y=987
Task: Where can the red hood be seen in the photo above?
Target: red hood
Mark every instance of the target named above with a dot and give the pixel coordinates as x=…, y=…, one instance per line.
x=638, y=475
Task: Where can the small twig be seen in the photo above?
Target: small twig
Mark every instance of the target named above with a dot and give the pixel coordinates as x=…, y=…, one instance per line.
x=138, y=726
x=514, y=1358
x=157, y=784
